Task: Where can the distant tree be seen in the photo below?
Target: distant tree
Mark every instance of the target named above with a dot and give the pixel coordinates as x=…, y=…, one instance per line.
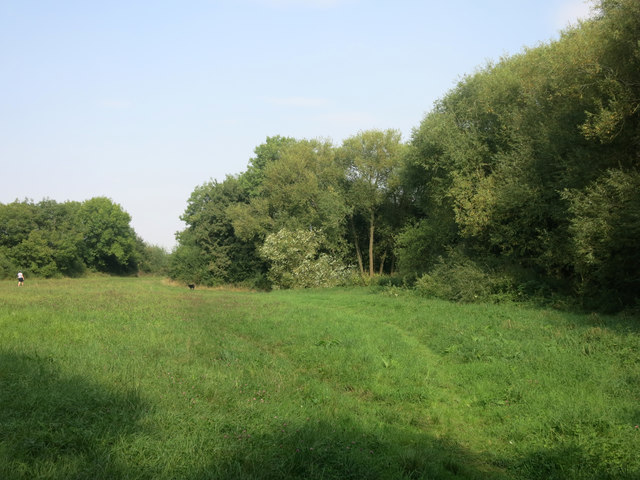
x=265, y=154
x=152, y=259
x=209, y=252
x=17, y=220
x=371, y=159
x=43, y=238
x=109, y=242
x=299, y=190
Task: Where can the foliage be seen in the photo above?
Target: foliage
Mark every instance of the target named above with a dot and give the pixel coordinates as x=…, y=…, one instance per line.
x=299, y=189
x=605, y=229
x=297, y=261
x=152, y=259
x=188, y=265
x=519, y=150
x=420, y=245
x=8, y=268
x=456, y=278
x=371, y=160
x=109, y=242
x=266, y=153
x=210, y=252
x=51, y=239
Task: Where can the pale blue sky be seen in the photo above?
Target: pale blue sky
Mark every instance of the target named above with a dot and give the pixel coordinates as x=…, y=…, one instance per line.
x=141, y=101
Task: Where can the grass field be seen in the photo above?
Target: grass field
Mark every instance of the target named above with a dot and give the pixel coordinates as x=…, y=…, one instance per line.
x=135, y=378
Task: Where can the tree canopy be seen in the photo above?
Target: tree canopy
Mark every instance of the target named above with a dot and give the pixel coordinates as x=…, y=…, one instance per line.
x=51, y=239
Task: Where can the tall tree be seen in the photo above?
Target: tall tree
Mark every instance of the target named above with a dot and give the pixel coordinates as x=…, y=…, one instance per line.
x=519, y=149
x=109, y=241
x=209, y=252
x=265, y=153
x=300, y=190
x=371, y=158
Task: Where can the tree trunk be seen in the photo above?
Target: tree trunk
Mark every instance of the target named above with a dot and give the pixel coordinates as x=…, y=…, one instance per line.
x=371, y=230
x=384, y=257
x=358, y=252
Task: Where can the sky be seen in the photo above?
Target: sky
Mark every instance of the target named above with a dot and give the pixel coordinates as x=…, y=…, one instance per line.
x=142, y=101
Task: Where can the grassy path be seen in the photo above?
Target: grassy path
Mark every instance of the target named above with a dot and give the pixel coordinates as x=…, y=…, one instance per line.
x=134, y=378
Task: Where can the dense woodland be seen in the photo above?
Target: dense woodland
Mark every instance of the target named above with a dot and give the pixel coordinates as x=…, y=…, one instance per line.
x=523, y=180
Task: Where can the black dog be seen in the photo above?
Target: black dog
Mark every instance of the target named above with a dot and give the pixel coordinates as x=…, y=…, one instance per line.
x=191, y=286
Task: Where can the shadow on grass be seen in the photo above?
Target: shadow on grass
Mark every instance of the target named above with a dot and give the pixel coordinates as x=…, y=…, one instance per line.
x=58, y=427
x=321, y=450
x=571, y=463
x=324, y=450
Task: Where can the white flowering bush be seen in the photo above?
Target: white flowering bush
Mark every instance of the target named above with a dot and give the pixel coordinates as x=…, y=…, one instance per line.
x=296, y=263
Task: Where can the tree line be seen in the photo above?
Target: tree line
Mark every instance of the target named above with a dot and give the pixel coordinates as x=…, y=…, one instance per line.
x=51, y=239
x=523, y=179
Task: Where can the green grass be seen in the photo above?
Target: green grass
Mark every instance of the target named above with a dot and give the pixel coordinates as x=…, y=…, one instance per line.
x=133, y=378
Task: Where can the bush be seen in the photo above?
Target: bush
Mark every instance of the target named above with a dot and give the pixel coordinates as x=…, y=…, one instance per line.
x=257, y=282
x=153, y=259
x=457, y=279
x=188, y=265
x=8, y=268
x=389, y=281
x=295, y=262
x=419, y=245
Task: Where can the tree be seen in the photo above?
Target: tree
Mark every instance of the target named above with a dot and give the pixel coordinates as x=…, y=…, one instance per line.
x=17, y=220
x=43, y=238
x=299, y=190
x=370, y=158
x=109, y=242
x=516, y=150
x=209, y=246
x=152, y=259
x=605, y=228
x=265, y=153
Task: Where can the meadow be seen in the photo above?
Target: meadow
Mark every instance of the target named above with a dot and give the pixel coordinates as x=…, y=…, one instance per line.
x=114, y=378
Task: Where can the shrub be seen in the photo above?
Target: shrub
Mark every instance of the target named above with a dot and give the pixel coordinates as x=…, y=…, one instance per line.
x=457, y=279
x=8, y=269
x=257, y=282
x=296, y=263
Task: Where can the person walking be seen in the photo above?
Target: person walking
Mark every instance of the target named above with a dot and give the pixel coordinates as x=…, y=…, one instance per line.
x=20, y=279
